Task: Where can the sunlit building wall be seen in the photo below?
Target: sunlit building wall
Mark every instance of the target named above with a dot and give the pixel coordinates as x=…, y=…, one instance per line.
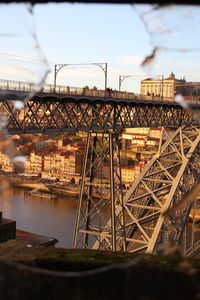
x=159, y=87
x=5, y=163
x=35, y=163
x=167, y=88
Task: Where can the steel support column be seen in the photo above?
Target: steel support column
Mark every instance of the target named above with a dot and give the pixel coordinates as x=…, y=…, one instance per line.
x=100, y=195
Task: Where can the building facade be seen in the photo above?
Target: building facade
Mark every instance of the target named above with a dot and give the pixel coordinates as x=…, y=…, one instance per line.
x=167, y=88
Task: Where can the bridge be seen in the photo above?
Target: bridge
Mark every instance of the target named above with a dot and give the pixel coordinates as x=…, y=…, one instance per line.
x=107, y=217
x=68, y=109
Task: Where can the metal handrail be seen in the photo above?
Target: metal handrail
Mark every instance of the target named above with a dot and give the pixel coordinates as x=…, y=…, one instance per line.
x=14, y=85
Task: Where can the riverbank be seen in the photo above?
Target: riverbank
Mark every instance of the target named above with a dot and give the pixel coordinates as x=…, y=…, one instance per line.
x=54, y=188
x=36, y=184
x=31, y=238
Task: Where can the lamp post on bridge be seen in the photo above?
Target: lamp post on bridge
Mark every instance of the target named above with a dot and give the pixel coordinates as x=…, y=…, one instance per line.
x=162, y=87
x=122, y=78
x=103, y=66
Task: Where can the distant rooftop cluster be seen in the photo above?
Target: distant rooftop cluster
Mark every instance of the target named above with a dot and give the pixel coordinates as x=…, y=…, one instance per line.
x=61, y=157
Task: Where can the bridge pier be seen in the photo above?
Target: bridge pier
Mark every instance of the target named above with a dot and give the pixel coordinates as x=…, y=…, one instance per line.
x=101, y=194
x=108, y=220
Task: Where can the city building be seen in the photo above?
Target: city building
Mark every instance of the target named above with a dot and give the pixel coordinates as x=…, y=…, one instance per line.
x=35, y=163
x=5, y=163
x=130, y=174
x=167, y=88
x=141, y=137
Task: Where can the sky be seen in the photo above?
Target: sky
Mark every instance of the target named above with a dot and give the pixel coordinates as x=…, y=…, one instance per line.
x=119, y=35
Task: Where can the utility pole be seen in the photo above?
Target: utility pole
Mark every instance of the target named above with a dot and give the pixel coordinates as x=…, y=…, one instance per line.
x=162, y=87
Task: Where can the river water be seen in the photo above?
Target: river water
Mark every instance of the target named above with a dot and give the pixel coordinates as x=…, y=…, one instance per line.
x=54, y=218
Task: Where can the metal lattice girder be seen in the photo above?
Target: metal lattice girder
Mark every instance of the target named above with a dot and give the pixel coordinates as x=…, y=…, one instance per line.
x=164, y=181
x=100, y=194
x=191, y=238
x=70, y=113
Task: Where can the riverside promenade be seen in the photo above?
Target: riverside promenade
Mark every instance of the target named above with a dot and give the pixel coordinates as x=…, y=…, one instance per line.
x=36, y=184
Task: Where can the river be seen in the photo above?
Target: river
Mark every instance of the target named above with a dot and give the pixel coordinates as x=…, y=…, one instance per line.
x=54, y=218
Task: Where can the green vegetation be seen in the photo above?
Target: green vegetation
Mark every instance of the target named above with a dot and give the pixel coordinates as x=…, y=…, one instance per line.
x=80, y=260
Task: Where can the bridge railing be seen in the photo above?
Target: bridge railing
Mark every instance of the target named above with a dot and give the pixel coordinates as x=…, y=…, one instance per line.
x=13, y=85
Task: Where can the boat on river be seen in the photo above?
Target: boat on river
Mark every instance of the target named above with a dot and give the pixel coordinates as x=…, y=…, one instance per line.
x=38, y=193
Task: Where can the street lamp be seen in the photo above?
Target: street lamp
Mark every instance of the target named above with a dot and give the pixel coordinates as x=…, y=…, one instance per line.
x=162, y=87
x=122, y=78
x=103, y=66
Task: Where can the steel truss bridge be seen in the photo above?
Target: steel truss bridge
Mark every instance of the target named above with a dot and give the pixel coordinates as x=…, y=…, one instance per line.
x=107, y=217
